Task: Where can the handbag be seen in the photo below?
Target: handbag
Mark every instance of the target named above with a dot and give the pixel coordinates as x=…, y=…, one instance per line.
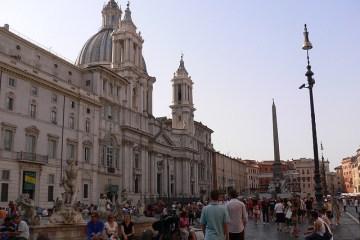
x=288, y=214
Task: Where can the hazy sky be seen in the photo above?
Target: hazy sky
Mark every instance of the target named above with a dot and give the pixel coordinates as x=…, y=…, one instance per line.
x=240, y=54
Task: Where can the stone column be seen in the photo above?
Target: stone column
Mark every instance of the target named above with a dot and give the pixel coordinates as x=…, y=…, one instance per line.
x=126, y=58
x=121, y=56
x=145, y=98
x=114, y=60
x=128, y=170
x=144, y=171
x=131, y=51
x=149, y=95
x=139, y=56
x=191, y=96
x=141, y=98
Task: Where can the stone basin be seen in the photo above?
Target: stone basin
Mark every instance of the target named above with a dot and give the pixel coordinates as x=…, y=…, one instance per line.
x=78, y=231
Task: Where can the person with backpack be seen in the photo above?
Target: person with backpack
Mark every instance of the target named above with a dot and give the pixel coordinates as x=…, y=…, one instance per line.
x=320, y=230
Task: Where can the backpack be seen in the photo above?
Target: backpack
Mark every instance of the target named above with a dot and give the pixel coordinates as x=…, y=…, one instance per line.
x=327, y=235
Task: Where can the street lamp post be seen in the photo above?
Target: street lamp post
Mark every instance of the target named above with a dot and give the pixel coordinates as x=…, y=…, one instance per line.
x=323, y=171
x=310, y=81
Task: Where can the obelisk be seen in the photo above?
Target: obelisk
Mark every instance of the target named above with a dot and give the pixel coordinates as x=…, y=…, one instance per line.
x=277, y=174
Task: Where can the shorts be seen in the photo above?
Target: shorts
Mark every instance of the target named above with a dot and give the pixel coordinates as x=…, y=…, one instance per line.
x=237, y=236
x=280, y=217
x=301, y=212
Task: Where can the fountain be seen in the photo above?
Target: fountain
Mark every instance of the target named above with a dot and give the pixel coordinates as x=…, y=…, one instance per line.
x=66, y=222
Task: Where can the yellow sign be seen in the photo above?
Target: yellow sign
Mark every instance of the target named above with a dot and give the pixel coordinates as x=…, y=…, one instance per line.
x=30, y=179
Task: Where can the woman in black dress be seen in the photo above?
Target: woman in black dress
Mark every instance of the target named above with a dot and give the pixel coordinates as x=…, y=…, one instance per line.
x=127, y=228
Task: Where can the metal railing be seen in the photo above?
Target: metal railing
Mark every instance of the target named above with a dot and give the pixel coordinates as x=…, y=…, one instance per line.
x=32, y=157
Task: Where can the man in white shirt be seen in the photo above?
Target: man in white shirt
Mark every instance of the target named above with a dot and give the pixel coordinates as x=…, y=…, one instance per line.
x=238, y=217
x=280, y=214
x=22, y=230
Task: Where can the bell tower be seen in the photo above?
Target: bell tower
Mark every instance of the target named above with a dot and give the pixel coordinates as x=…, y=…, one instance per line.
x=182, y=107
x=127, y=44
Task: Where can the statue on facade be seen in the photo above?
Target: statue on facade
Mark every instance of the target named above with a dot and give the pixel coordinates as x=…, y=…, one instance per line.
x=28, y=209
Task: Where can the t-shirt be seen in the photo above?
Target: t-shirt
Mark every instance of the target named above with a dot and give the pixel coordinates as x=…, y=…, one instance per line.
x=279, y=208
x=23, y=228
x=272, y=205
x=94, y=228
x=184, y=222
x=213, y=217
x=111, y=229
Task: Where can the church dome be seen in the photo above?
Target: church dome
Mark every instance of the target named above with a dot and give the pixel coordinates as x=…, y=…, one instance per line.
x=98, y=49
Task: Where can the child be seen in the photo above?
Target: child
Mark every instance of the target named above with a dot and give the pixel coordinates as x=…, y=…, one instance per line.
x=256, y=212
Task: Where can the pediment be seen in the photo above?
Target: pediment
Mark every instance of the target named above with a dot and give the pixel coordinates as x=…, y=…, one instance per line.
x=164, y=139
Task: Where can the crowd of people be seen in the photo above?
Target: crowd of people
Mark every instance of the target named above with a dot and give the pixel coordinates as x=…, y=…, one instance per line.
x=227, y=217
x=223, y=217
x=13, y=227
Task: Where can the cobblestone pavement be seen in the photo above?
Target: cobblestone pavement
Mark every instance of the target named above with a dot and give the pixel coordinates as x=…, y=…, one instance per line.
x=349, y=229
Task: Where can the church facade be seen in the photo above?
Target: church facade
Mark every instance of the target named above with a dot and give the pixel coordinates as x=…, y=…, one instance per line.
x=98, y=112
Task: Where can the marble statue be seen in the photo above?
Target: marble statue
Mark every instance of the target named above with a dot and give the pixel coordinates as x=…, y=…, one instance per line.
x=124, y=196
x=65, y=211
x=28, y=208
x=102, y=207
x=70, y=182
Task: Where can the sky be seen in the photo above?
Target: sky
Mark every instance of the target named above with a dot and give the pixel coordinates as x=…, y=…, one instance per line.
x=241, y=55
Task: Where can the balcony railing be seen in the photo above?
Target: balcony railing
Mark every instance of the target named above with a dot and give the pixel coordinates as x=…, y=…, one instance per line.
x=31, y=157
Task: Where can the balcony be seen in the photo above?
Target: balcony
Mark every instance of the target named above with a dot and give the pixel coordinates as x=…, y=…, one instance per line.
x=111, y=170
x=31, y=157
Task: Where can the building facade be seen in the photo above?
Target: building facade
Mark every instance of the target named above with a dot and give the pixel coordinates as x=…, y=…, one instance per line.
x=347, y=171
x=340, y=178
x=252, y=173
x=305, y=168
x=229, y=173
x=266, y=173
x=97, y=112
